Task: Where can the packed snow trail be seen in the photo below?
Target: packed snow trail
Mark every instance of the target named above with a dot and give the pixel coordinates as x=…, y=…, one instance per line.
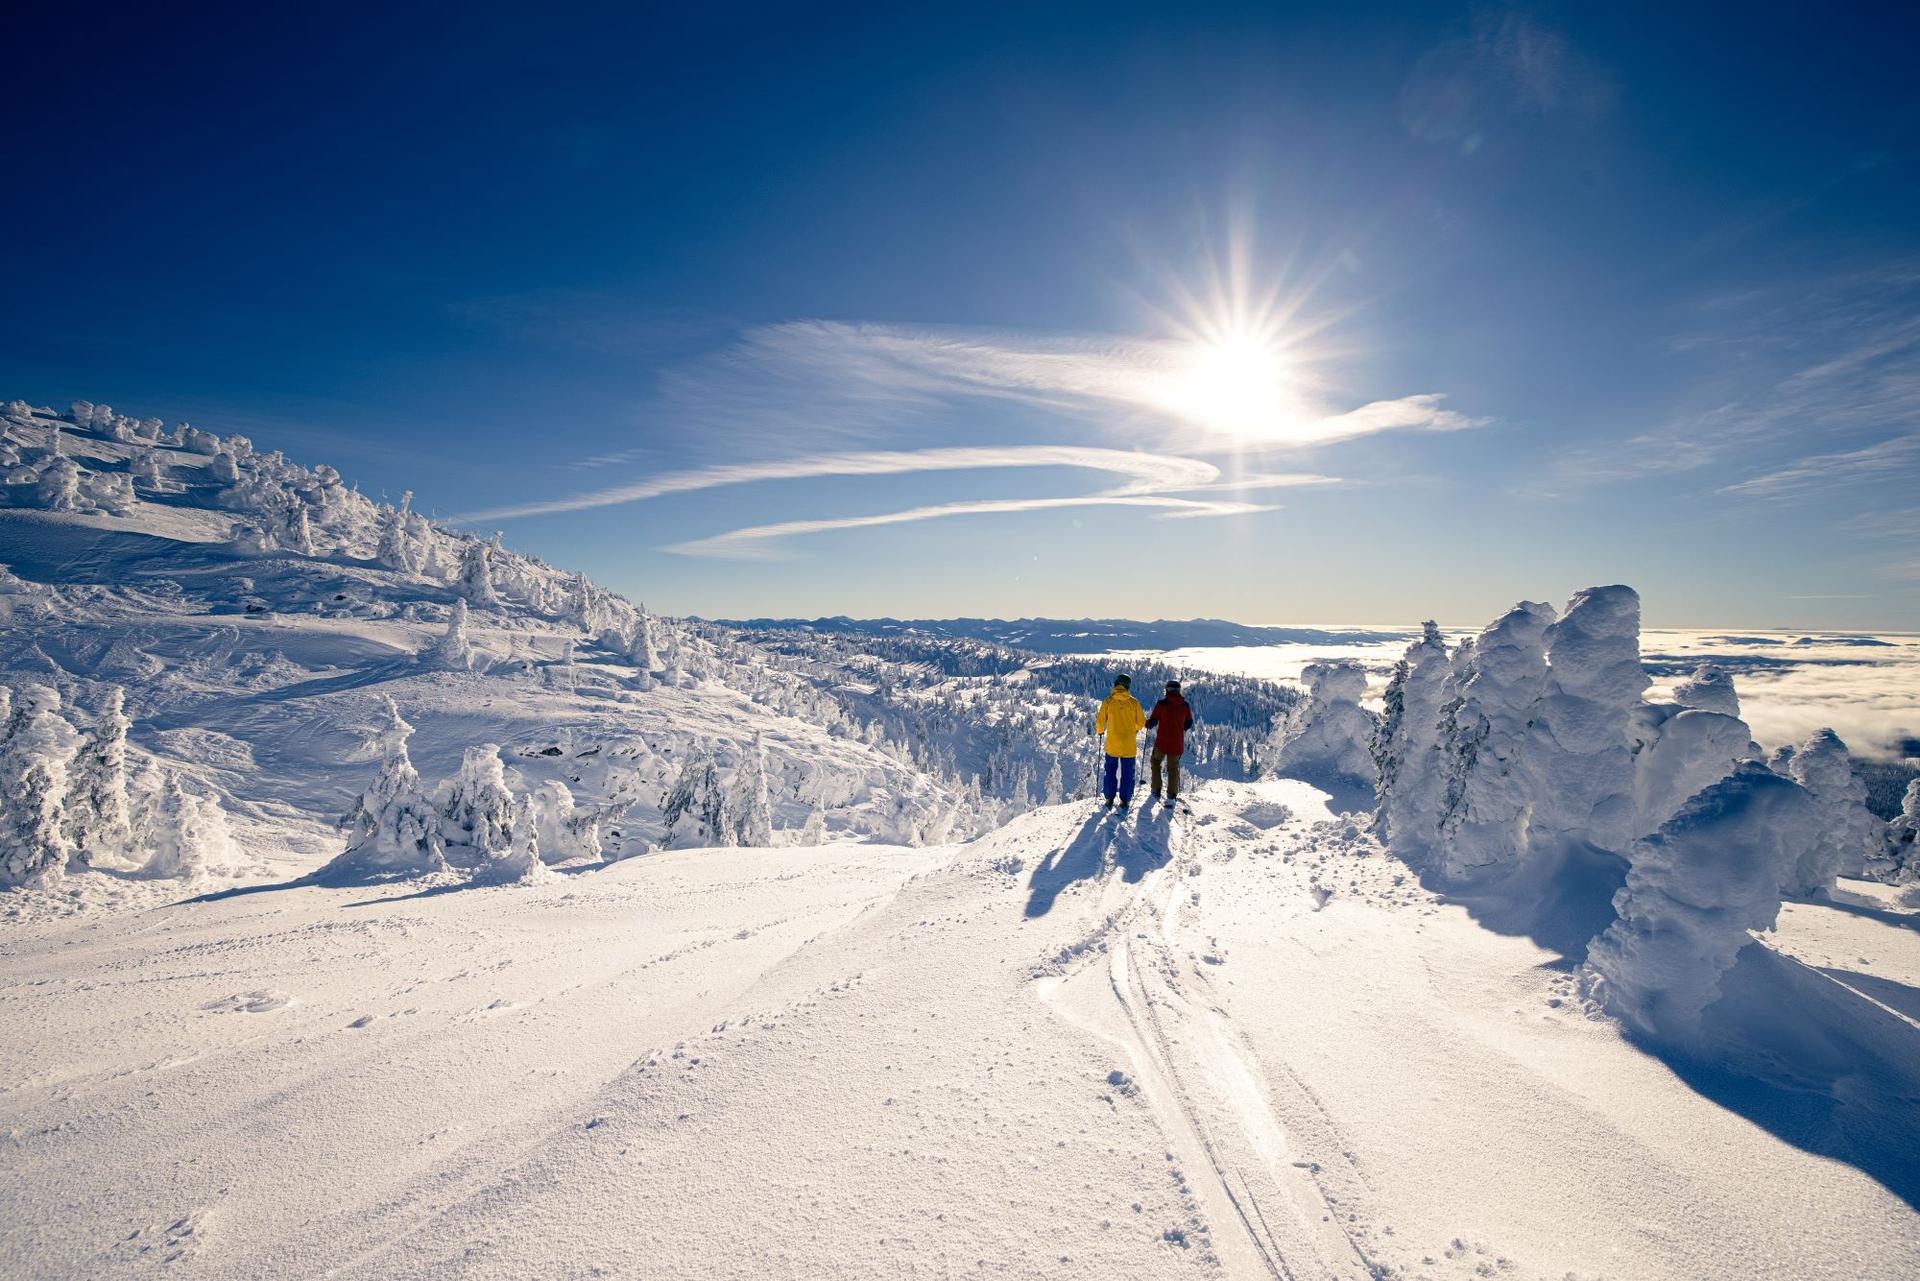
x=1236, y=1041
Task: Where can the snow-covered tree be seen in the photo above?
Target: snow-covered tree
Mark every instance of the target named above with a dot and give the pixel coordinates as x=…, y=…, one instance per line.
x=454, y=649
x=1580, y=748
x=1710, y=689
x=1054, y=791
x=697, y=794
x=35, y=757
x=1694, y=891
x=1900, y=861
x=477, y=813
x=640, y=650
x=519, y=860
x=99, y=809
x=1849, y=835
x=476, y=573
x=566, y=830
x=401, y=545
x=393, y=826
x=58, y=489
x=187, y=834
x=224, y=468
x=748, y=803
x=299, y=530
x=1329, y=736
x=1405, y=748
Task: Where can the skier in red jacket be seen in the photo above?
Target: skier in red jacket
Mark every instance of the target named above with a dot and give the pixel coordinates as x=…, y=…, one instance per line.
x=1170, y=721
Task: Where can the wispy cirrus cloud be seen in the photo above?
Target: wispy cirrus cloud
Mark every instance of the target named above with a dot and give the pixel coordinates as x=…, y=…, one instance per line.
x=1147, y=473
x=760, y=542
x=1822, y=473
x=1823, y=361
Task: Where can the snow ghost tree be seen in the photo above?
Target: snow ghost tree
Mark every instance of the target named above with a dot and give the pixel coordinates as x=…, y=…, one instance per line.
x=393, y=826
x=454, y=650
x=1406, y=747
x=565, y=830
x=99, y=815
x=1329, y=736
x=34, y=762
x=1709, y=689
x=519, y=860
x=640, y=651
x=58, y=489
x=1848, y=834
x=397, y=547
x=1694, y=889
x=477, y=812
x=696, y=793
x=1580, y=751
x=748, y=802
x=1900, y=863
x=187, y=834
x=476, y=573
x=1484, y=734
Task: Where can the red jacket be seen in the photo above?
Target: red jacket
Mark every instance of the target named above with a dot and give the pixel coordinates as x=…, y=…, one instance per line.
x=1171, y=720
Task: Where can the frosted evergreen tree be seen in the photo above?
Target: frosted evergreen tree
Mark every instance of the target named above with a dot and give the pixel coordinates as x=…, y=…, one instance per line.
x=393, y=826
x=814, y=831
x=397, y=548
x=697, y=794
x=476, y=573
x=641, y=652
x=1849, y=833
x=1710, y=689
x=58, y=488
x=1055, y=788
x=187, y=834
x=478, y=811
x=224, y=468
x=1580, y=749
x=566, y=830
x=1406, y=746
x=454, y=649
x=99, y=811
x=1483, y=735
x=519, y=860
x=1695, y=891
x=299, y=530
x=1900, y=862
x=748, y=804
x=34, y=762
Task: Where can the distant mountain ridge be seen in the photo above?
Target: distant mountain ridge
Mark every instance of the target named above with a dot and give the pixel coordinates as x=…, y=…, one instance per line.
x=1077, y=635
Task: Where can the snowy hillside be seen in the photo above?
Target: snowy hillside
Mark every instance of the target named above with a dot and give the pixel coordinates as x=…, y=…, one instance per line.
x=382, y=902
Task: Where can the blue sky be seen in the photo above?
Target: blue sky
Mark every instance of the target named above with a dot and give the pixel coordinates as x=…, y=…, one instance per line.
x=1278, y=313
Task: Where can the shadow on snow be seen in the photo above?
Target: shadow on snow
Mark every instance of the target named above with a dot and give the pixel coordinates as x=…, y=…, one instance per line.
x=1135, y=849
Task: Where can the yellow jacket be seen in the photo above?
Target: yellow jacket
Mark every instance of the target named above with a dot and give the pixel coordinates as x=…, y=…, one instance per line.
x=1122, y=720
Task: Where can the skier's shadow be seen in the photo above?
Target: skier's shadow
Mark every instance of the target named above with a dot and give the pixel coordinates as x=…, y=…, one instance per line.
x=1084, y=858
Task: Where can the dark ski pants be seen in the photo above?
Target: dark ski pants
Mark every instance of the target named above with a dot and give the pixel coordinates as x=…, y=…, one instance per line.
x=1172, y=761
x=1118, y=778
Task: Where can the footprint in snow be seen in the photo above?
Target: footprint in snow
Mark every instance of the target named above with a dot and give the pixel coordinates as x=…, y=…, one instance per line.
x=264, y=1001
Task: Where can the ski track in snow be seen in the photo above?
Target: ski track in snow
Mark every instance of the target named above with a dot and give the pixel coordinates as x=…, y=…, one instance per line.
x=1236, y=1041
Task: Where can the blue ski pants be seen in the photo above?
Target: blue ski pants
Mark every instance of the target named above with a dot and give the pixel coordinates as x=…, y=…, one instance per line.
x=1118, y=778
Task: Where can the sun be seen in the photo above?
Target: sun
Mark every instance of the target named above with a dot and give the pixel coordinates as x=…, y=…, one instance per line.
x=1237, y=381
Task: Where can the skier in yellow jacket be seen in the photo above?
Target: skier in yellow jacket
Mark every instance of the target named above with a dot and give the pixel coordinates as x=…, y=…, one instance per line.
x=1121, y=719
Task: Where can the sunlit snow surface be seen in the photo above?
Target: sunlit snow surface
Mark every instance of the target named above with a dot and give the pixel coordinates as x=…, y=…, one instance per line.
x=1866, y=686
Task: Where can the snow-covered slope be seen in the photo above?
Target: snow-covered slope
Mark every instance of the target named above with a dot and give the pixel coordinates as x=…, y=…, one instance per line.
x=1239, y=1041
